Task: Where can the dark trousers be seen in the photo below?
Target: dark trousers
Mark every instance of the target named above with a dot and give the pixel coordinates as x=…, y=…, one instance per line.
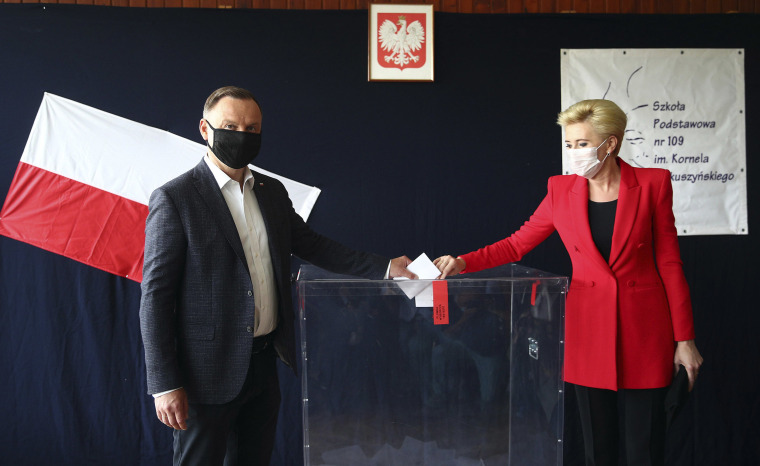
x=625, y=428
x=240, y=432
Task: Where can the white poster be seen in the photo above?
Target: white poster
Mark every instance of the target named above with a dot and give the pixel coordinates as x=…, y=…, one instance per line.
x=685, y=111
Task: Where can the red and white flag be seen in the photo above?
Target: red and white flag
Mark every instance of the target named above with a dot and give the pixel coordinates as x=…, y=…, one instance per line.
x=82, y=186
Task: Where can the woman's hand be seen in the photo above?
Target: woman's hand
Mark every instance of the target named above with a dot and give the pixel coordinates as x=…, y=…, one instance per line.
x=449, y=265
x=688, y=355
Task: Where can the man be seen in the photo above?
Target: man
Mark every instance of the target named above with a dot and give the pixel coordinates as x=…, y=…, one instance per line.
x=216, y=306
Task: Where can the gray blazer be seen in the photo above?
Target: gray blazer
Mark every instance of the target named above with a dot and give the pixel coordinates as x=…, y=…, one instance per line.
x=197, y=299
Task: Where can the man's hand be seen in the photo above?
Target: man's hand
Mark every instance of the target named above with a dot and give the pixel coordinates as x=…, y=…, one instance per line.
x=398, y=268
x=171, y=409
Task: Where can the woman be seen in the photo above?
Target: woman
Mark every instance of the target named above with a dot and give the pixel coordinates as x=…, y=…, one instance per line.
x=628, y=319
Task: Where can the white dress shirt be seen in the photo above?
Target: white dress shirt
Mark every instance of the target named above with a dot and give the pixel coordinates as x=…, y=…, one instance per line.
x=253, y=235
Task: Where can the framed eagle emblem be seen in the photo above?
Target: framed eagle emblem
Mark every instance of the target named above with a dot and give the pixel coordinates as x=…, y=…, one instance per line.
x=400, y=42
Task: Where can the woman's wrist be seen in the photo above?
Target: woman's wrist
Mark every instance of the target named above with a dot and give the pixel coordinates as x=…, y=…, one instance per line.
x=461, y=263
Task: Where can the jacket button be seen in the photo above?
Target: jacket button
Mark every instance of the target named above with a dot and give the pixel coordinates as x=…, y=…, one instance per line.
x=249, y=329
x=631, y=283
x=250, y=293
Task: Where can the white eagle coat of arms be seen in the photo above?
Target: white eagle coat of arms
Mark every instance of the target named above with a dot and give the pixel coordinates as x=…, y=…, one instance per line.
x=401, y=41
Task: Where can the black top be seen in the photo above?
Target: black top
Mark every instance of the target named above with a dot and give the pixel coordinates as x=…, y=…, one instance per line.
x=601, y=220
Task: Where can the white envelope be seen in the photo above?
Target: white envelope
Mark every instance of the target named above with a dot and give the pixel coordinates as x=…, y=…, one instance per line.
x=421, y=289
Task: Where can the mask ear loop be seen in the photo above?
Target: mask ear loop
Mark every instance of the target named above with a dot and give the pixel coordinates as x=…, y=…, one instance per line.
x=604, y=159
x=212, y=130
x=600, y=145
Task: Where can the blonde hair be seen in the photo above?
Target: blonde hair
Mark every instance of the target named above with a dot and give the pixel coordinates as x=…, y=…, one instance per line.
x=604, y=116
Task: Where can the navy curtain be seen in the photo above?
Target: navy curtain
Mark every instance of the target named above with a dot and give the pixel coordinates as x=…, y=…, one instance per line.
x=441, y=167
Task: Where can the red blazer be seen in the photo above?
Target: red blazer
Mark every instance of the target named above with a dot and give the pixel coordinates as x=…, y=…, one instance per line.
x=622, y=318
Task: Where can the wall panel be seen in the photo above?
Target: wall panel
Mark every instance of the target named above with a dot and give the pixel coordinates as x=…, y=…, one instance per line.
x=453, y=6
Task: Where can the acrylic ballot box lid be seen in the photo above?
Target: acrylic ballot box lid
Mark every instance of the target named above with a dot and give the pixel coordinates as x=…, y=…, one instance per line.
x=384, y=385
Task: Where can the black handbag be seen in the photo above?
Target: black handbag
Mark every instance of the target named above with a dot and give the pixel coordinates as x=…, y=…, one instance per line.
x=678, y=394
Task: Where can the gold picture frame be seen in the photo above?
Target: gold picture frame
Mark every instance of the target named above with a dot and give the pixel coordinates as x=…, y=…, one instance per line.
x=400, y=42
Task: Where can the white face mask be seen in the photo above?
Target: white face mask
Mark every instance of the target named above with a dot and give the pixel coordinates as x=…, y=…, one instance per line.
x=584, y=162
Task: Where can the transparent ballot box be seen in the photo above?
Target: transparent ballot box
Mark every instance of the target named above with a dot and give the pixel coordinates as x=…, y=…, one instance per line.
x=384, y=385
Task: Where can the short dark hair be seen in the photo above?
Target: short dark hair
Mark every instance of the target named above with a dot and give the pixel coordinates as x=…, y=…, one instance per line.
x=227, y=91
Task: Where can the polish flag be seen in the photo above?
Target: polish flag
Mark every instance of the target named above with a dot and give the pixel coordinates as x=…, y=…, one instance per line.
x=82, y=186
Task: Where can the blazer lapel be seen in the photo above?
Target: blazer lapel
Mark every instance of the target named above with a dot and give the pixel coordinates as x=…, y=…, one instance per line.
x=212, y=196
x=627, y=208
x=579, y=211
x=269, y=212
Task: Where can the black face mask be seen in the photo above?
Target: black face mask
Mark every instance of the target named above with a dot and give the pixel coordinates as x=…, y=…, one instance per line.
x=236, y=149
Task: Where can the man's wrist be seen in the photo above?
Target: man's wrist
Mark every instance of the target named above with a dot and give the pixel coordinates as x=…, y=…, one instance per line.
x=156, y=395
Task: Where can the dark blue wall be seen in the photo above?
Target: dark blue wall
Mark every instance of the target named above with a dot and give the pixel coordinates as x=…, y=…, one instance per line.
x=441, y=167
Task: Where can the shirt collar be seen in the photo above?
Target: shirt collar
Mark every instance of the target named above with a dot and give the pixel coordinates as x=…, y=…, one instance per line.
x=222, y=178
